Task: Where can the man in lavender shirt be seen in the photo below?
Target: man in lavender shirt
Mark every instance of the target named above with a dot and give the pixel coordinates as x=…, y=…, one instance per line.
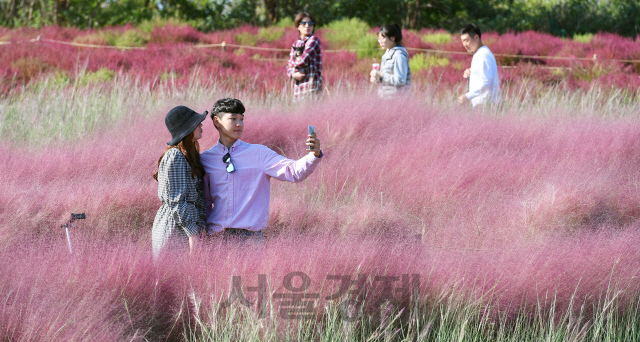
x=238, y=174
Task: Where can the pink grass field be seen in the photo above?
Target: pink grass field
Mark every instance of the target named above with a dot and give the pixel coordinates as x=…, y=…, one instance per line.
x=172, y=52
x=517, y=210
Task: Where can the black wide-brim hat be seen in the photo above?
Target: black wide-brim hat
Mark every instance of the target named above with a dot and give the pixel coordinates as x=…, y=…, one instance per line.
x=181, y=121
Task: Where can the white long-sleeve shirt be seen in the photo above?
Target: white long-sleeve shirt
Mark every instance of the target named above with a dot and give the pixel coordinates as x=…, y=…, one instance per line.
x=484, y=82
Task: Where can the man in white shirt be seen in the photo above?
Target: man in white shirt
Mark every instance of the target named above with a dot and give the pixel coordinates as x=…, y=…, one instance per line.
x=484, y=82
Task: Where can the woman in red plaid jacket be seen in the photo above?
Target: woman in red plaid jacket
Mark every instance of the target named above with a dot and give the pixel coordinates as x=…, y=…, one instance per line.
x=305, y=59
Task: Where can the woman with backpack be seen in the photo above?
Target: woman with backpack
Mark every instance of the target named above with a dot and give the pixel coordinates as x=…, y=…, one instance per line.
x=305, y=59
x=182, y=214
x=394, y=75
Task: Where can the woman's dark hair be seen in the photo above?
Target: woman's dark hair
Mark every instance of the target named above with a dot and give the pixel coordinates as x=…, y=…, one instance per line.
x=302, y=15
x=471, y=30
x=227, y=105
x=191, y=151
x=392, y=30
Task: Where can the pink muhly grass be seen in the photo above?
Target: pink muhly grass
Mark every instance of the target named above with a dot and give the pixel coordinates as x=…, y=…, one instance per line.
x=172, y=51
x=512, y=210
x=172, y=34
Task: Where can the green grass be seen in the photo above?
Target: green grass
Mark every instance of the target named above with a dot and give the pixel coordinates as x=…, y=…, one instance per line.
x=437, y=38
x=285, y=22
x=447, y=317
x=270, y=34
x=345, y=33
x=66, y=107
x=421, y=61
x=246, y=38
x=62, y=108
x=368, y=47
x=583, y=38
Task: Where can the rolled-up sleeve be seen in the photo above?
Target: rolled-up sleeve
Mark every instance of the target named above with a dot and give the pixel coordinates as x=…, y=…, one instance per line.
x=184, y=212
x=285, y=169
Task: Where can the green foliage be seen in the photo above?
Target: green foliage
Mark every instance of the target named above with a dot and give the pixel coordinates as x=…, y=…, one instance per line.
x=167, y=76
x=270, y=34
x=345, y=33
x=450, y=316
x=147, y=26
x=59, y=79
x=437, y=38
x=98, y=38
x=102, y=75
x=421, y=61
x=368, y=47
x=583, y=38
x=130, y=38
x=285, y=22
x=590, y=73
x=246, y=38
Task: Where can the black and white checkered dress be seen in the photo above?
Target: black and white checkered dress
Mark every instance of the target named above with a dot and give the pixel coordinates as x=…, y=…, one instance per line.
x=182, y=213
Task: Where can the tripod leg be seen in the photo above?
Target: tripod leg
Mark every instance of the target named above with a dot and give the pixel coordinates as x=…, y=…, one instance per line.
x=69, y=240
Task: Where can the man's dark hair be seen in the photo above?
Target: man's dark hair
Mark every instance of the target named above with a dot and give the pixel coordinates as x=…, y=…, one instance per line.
x=471, y=30
x=392, y=30
x=302, y=15
x=227, y=105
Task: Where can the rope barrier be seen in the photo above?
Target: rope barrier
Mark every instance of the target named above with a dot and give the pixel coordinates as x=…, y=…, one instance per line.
x=90, y=45
x=254, y=47
x=594, y=58
x=247, y=47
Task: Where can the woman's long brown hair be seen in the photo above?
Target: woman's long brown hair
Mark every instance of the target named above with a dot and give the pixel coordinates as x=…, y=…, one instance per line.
x=191, y=151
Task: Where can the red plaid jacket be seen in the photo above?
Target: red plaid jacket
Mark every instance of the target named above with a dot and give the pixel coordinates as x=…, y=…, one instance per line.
x=310, y=63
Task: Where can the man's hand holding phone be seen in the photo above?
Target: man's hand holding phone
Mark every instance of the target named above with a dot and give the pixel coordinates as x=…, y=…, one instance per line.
x=313, y=144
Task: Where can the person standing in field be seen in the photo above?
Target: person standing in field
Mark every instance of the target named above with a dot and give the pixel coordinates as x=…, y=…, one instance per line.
x=394, y=75
x=305, y=59
x=182, y=214
x=238, y=175
x=484, y=81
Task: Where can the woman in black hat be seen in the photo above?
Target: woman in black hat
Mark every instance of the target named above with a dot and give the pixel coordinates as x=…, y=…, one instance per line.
x=182, y=214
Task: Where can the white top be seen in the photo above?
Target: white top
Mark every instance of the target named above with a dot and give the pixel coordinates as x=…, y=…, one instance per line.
x=484, y=83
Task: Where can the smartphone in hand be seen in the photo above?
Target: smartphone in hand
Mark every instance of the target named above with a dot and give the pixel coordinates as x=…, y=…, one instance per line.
x=312, y=131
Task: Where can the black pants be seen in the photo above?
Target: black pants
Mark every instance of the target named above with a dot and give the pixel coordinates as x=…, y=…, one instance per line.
x=243, y=235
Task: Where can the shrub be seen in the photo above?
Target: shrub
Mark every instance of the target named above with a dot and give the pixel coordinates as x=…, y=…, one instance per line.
x=148, y=26
x=270, y=34
x=102, y=75
x=421, y=61
x=129, y=38
x=98, y=38
x=285, y=22
x=437, y=38
x=59, y=78
x=171, y=34
x=29, y=67
x=246, y=38
x=368, y=47
x=583, y=38
x=345, y=33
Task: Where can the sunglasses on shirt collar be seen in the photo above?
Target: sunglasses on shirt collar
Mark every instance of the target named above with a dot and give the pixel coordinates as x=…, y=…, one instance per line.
x=227, y=159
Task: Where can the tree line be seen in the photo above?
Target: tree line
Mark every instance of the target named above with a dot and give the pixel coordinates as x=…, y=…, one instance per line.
x=558, y=17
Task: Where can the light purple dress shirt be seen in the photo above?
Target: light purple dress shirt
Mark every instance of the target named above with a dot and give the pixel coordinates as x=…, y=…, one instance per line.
x=241, y=199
